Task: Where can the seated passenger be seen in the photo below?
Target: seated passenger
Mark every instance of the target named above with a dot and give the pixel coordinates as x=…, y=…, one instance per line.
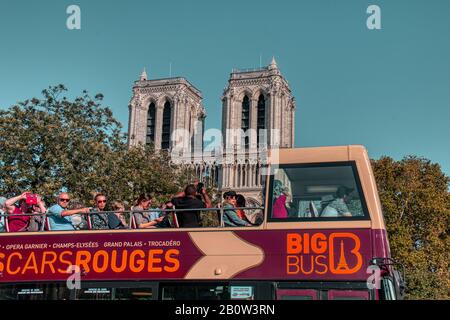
x=2, y=215
x=338, y=207
x=145, y=220
x=99, y=219
x=59, y=217
x=16, y=222
x=36, y=222
x=281, y=195
x=230, y=216
x=165, y=212
x=292, y=208
x=241, y=203
x=189, y=200
x=117, y=220
x=79, y=220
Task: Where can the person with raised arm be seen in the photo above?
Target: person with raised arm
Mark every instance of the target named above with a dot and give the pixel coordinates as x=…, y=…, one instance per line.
x=19, y=219
x=191, y=200
x=59, y=216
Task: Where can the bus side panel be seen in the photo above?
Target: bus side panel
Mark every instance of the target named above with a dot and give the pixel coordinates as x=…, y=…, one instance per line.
x=380, y=244
x=335, y=255
x=99, y=256
x=319, y=254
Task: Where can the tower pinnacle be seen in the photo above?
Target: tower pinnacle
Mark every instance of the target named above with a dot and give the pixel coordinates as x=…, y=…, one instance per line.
x=143, y=75
x=273, y=64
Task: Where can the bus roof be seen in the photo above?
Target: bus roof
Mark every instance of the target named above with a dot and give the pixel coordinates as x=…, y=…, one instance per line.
x=318, y=154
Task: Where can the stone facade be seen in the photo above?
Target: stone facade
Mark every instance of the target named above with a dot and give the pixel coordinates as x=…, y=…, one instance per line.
x=264, y=84
x=185, y=103
x=269, y=105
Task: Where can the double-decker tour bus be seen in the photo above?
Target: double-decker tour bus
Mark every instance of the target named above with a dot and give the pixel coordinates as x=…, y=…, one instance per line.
x=322, y=236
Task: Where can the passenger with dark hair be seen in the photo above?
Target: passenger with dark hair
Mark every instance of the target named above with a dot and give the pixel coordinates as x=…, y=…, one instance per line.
x=230, y=216
x=191, y=219
x=338, y=207
x=241, y=203
x=117, y=219
x=37, y=220
x=199, y=186
x=99, y=219
x=145, y=220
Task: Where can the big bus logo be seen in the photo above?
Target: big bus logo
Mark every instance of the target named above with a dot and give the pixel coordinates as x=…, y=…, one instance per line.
x=338, y=253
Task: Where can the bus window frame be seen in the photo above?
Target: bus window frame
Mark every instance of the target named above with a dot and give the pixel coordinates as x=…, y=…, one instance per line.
x=154, y=285
x=350, y=294
x=262, y=290
x=323, y=287
x=314, y=294
x=352, y=164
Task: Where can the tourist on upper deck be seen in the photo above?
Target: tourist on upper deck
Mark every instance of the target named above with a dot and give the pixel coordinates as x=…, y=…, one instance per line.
x=338, y=207
x=17, y=222
x=230, y=215
x=2, y=214
x=281, y=196
x=146, y=220
x=190, y=200
x=60, y=217
x=199, y=186
x=117, y=220
x=165, y=207
x=241, y=203
x=99, y=219
x=36, y=222
x=79, y=221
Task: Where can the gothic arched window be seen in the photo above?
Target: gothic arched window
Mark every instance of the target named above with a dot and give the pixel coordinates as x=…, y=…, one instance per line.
x=165, y=139
x=151, y=121
x=246, y=118
x=261, y=123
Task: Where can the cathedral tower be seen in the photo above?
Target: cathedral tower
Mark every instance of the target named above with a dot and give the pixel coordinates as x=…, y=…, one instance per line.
x=260, y=103
x=160, y=106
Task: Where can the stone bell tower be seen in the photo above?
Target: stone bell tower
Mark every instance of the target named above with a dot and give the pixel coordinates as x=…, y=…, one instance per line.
x=161, y=106
x=260, y=103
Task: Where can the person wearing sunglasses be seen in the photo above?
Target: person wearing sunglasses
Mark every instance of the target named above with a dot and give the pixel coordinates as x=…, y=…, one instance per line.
x=99, y=219
x=59, y=216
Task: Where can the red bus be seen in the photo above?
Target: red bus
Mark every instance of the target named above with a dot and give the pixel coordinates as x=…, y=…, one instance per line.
x=322, y=237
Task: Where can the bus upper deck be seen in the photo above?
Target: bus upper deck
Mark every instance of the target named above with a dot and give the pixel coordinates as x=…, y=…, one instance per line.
x=322, y=223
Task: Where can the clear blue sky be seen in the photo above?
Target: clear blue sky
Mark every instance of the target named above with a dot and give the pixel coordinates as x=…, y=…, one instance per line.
x=388, y=90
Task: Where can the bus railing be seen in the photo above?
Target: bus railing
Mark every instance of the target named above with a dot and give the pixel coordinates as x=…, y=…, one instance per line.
x=128, y=214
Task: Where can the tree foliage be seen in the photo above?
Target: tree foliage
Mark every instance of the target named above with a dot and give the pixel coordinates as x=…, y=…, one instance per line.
x=53, y=144
x=416, y=202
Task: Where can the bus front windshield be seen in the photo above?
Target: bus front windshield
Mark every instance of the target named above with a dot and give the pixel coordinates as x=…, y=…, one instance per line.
x=322, y=191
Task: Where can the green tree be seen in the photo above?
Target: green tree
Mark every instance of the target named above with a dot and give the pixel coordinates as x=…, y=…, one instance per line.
x=53, y=144
x=416, y=202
